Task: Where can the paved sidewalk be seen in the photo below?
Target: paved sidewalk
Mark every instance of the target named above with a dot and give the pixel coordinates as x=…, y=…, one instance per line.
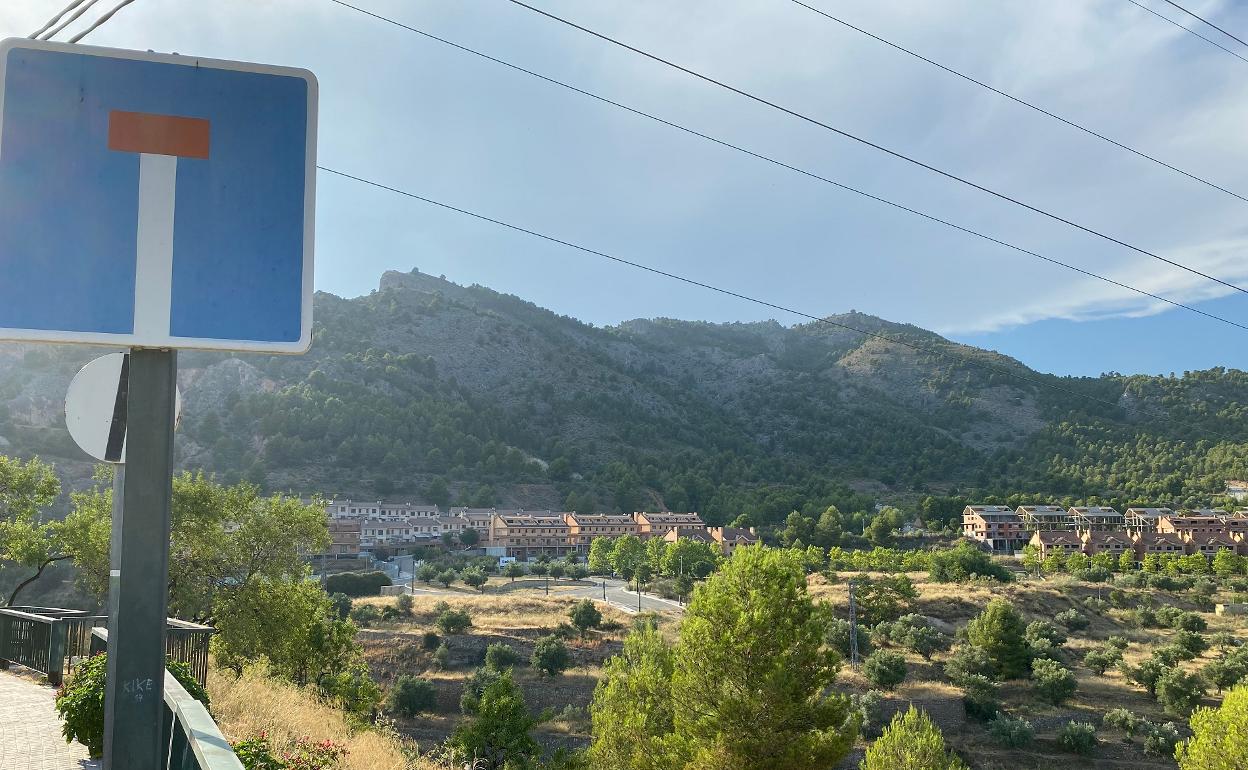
x=30, y=730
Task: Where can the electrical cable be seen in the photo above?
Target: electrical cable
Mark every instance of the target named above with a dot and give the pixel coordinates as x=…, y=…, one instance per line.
x=100, y=21
x=35, y=35
x=737, y=295
x=70, y=20
x=1023, y=102
x=789, y=167
x=881, y=148
x=1205, y=21
x=1189, y=30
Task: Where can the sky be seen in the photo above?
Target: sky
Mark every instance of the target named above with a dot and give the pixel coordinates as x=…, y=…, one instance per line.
x=415, y=114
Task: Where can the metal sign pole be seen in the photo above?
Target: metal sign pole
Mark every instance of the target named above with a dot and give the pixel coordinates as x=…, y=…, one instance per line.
x=134, y=701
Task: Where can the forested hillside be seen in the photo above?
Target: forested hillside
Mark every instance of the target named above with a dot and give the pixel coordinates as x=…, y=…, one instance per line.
x=429, y=390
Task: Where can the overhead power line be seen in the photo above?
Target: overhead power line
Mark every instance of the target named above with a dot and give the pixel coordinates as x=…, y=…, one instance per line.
x=789, y=167
x=1017, y=100
x=69, y=20
x=1205, y=21
x=881, y=148
x=100, y=21
x=745, y=297
x=1189, y=30
x=52, y=21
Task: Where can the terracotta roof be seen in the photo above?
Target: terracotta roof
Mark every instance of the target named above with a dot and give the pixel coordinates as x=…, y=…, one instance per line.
x=739, y=533
x=601, y=518
x=700, y=535
x=1057, y=538
x=1167, y=538
x=667, y=517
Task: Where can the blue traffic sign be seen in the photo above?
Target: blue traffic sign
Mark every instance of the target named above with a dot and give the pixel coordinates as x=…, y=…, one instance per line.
x=151, y=200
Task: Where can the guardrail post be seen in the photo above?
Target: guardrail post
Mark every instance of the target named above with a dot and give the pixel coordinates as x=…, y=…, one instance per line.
x=5, y=623
x=57, y=633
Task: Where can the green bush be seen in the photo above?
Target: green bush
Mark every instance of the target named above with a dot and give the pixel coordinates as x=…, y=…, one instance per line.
x=1043, y=629
x=838, y=638
x=550, y=656
x=341, y=605
x=1179, y=691
x=1160, y=740
x=884, y=669
x=1102, y=658
x=365, y=615
x=404, y=604
x=980, y=696
x=500, y=655
x=442, y=657
x=585, y=615
x=357, y=583
x=304, y=754
x=410, y=696
x=870, y=706
x=257, y=754
x=1072, y=619
x=430, y=640
x=1077, y=737
x=1124, y=720
x=454, y=621
x=964, y=561
x=1052, y=681
x=1010, y=732
x=1117, y=642
x=1190, y=641
x=80, y=700
x=968, y=660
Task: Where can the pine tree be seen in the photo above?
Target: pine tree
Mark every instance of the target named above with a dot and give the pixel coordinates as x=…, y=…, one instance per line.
x=1218, y=735
x=911, y=742
x=498, y=733
x=1000, y=631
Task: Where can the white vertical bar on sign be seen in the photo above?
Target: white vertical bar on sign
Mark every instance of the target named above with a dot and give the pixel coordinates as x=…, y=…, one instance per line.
x=153, y=277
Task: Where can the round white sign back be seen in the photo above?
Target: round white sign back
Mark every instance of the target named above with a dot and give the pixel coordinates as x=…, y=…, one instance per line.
x=95, y=407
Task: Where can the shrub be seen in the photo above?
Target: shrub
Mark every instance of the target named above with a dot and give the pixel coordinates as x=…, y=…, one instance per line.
x=1190, y=641
x=365, y=615
x=1077, y=737
x=1226, y=672
x=1096, y=605
x=1145, y=617
x=80, y=700
x=357, y=583
x=911, y=740
x=427, y=573
x=474, y=578
x=585, y=615
x=999, y=630
x=257, y=754
x=1124, y=720
x=884, y=669
x=550, y=656
x=499, y=656
x=454, y=621
x=1160, y=740
x=968, y=660
x=1189, y=621
x=430, y=640
x=341, y=605
x=963, y=561
x=1052, y=681
x=838, y=638
x=1010, y=732
x=1180, y=691
x=1072, y=619
x=1103, y=658
x=442, y=657
x=475, y=686
x=1117, y=642
x=1147, y=673
x=1043, y=648
x=870, y=706
x=1043, y=629
x=979, y=696
x=410, y=696
x=446, y=577
x=404, y=603
x=1172, y=654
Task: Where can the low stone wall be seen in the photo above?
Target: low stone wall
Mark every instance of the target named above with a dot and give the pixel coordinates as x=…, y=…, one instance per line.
x=1231, y=609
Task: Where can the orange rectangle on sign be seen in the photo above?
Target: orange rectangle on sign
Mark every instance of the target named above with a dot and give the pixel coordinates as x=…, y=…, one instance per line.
x=158, y=134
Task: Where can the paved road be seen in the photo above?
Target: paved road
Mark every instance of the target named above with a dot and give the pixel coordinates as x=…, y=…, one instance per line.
x=617, y=594
x=30, y=730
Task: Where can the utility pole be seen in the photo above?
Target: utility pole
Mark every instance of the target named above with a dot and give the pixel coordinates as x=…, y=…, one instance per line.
x=853, y=628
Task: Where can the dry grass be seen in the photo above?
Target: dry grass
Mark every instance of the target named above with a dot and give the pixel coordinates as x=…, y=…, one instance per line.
x=255, y=703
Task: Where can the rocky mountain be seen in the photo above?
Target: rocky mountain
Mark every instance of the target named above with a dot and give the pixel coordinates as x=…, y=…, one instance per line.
x=427, y=389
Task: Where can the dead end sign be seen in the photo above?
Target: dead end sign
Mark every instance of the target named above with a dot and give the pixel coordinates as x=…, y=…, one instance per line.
x=152, y=200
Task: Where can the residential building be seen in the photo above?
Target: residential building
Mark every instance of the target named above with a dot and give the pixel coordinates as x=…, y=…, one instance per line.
x=1237, y=489
x=1193, y=525
x=1038, y=518
x=344, y=539
x=1112, y=543
x=1145, y=519
x=1052, y=541
x=729, y=539
x=529, y=534
x=659, y=524
x=452, y=524
x=584, y=527
x=477, y=518
x=1209, y=545
x=1236, y=524
x=697, y=535
x=1097, y=518
x=1160, y=543
x=995, y=526
x=379, y=510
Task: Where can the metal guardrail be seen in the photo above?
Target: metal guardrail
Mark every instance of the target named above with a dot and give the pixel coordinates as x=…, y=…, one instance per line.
x=53, y=640
x=193, y=739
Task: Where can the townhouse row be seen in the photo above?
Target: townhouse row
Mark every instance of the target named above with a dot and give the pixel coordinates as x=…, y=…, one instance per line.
x=1093, y=530
x=356, y=527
